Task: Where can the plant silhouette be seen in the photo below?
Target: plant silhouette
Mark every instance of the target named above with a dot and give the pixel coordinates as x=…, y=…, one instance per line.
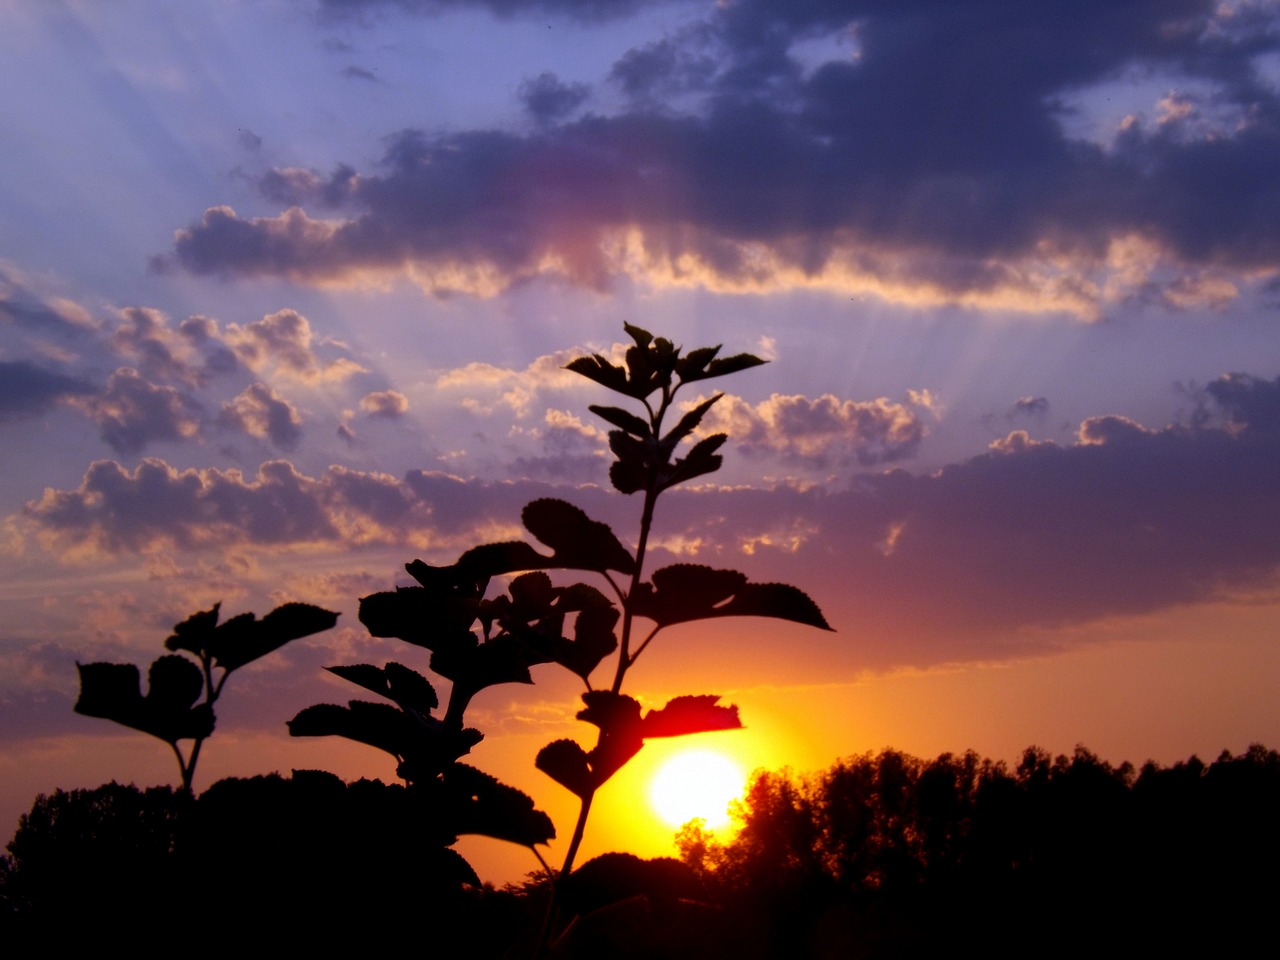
x=477, y=641
x=180, y=694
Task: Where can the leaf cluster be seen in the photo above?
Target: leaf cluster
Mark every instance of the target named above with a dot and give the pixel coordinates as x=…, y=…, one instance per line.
x=181, y=694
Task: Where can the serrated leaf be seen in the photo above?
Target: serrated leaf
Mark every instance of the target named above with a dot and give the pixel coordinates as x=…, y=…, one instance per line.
x=685, y=715
x=727, y=365
x=608, y=710
x=627, y=478
x=195, y=633
x=407, y=688
x=494, y=559
x=423, y=746
x=566, y=763
x=688, y=423
x=684, y=592
x=112, y=691
x=778, y=600
x=641, y=336
x=579, y=542
x=243, y=639
x=628, y=421
x=597, y=368
x=693, y=363
x=701, y=459
x=593, y=640
x=481, y=804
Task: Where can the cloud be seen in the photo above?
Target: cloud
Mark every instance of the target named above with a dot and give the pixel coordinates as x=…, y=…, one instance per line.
x=1035, y=407
x=261, y=412
x=158, y=507
x=132, y=412
x=29, y=391
x=1248, y=402
x=820, y=432
x=387, y=404
x=923, y=157
x=283, y=341
x=158, y=352
x=546, y=99
x=585, y=10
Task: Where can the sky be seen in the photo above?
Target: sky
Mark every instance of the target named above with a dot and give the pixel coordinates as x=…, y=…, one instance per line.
x=287, y=288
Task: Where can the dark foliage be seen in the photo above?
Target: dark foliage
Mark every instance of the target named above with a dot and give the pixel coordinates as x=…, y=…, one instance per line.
x=887, y=856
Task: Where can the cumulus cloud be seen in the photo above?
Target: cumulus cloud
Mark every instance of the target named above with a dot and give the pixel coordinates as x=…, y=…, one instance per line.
x=27, y=390
x=934, y=166
x=820, y=432
x=261, y=412
x=132, y=412
x=283, y=341
x=158, y=507
x=387, y=404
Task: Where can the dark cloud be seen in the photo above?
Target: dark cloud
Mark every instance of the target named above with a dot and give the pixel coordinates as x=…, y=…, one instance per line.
x=972, y=561
x=547, y=100
x=587, y=10
x=358, y=73
x=1035, y=407
x=132, y=412
x=1249, y=402
x=936, y=157
x=28, y=391
x=292, y=185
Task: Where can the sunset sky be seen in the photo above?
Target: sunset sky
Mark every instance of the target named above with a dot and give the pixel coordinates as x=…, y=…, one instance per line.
x=287, y=288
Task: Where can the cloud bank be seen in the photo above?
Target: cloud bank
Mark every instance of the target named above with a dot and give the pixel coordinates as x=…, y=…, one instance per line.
x=915, y=151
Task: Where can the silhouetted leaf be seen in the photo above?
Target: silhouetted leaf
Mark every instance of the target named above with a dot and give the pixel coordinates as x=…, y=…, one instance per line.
x=627, y=477
x=493, y=559
x=423, y=745
x=566, y=763
x=609, y=711
x=618, y=717
x=408, y=688
x=195, y=634
x=417, y=615
x=628, y=421
x=778, y=600
x=481, y=804
x=688, y=423
x=112, y=691
x=693, y=364
x=684, y=592
x=242, y=639
x=579, y=542
x=597, y=368
x=685, y=715
x=701, y=459
x=727, y=365
x=593, y=640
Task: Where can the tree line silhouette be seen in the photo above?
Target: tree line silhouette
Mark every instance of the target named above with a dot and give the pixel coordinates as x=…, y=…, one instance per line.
x=881, y=855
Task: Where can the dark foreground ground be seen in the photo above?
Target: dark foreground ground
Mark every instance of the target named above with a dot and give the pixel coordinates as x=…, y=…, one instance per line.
x=880, y=856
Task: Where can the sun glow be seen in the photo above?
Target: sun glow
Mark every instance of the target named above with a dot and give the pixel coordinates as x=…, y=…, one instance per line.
x=696, y=784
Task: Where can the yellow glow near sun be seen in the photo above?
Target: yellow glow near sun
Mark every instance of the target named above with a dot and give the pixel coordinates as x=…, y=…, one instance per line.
x=696, y=783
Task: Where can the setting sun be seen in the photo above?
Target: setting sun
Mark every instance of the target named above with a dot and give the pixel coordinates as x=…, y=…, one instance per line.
x=696, y=784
